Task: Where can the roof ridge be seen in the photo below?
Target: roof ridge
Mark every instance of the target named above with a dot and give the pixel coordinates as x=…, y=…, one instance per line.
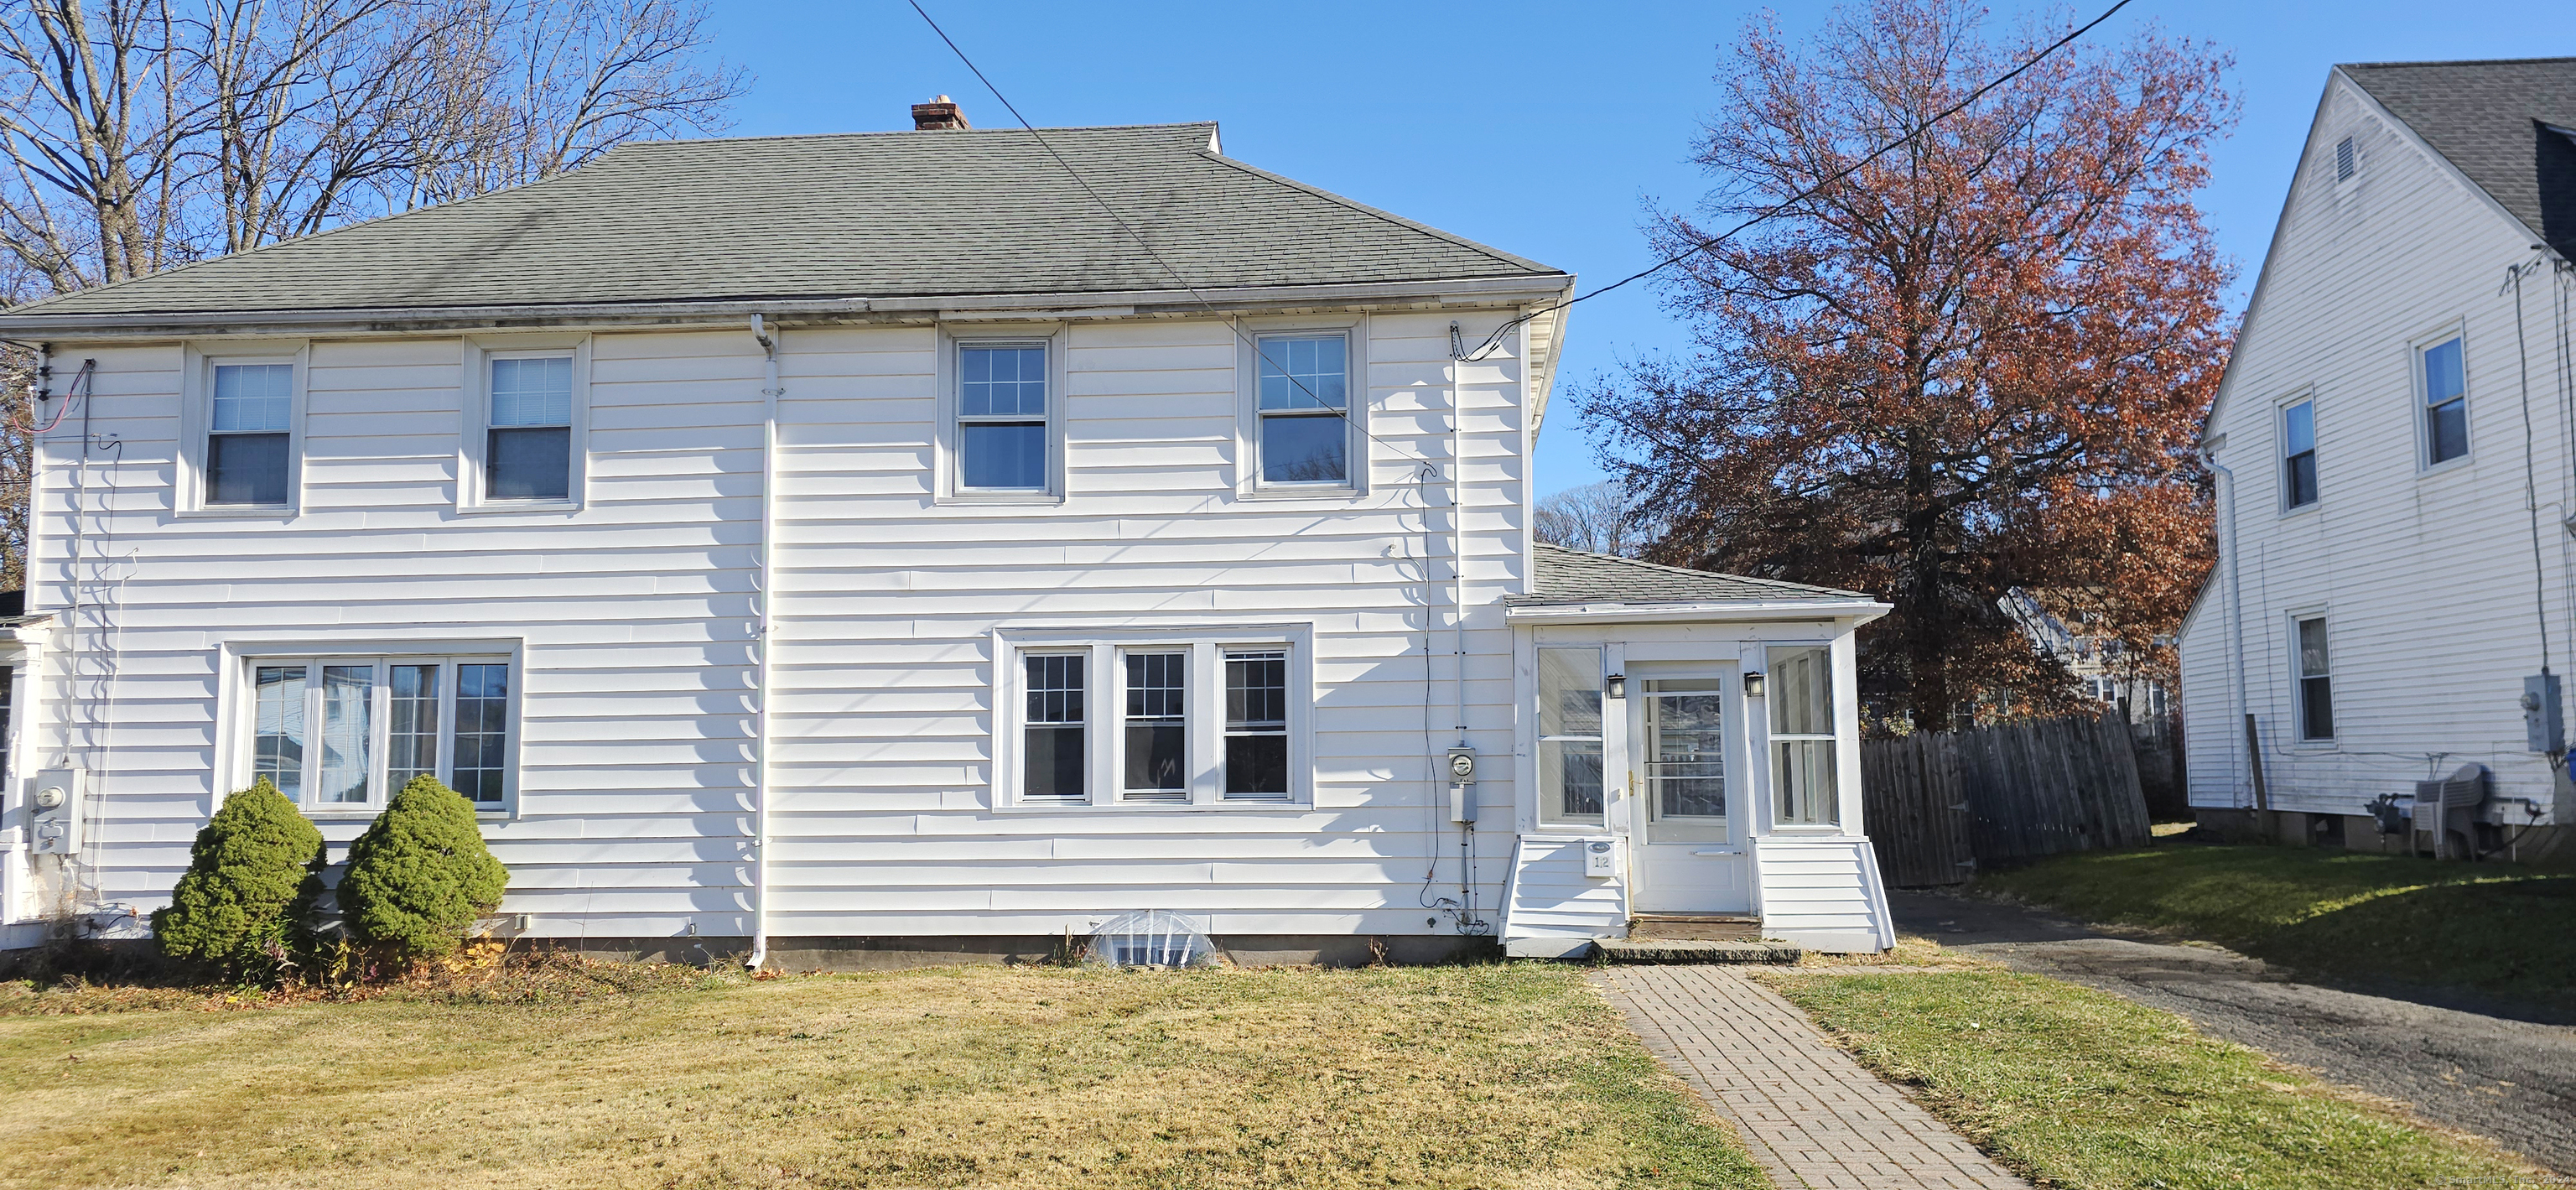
x=876, y=132
x=2452, y=62
x=1645, y=565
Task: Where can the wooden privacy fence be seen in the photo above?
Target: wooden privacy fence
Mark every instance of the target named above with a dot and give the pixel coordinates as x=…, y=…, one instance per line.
x=1941, y=803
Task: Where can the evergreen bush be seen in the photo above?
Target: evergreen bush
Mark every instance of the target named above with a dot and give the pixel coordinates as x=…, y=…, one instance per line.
x=235, y=906
x=420, y=875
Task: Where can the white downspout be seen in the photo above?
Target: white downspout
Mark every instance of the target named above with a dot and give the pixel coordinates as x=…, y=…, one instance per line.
x=769, y=392
x=2235, y=613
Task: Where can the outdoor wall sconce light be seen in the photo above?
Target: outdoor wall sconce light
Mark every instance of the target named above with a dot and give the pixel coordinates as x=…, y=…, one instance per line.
x=1618, y=685
x=1753, y=684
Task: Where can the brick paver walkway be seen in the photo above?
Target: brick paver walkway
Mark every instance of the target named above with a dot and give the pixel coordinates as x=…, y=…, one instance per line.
x=1811, y=1114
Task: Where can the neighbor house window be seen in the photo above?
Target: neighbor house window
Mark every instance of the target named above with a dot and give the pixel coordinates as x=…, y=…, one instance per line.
x=250, y=437
x=2299, y=455
x=2316, y=680
x=1303, y=434
x=1803, y=746
x=528, y=447
x=2446, y=402
x=1209, y=721
x=1569, y=734
x=1002, y=417
x=347, y=732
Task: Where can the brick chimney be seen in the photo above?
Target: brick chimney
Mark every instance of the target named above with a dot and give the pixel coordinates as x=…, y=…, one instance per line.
x=940, y=113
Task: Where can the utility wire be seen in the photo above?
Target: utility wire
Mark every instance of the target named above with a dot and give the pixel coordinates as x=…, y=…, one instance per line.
x=1801, y=196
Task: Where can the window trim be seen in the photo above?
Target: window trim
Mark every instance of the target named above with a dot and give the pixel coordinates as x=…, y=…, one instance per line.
x=2298, y=734
x=1247, y=371
x=1105, y=721
x=2420, y=386
x=2282, y=456
x=198, y=360
x=948, y=460
x=236, y=746
x=474, y=444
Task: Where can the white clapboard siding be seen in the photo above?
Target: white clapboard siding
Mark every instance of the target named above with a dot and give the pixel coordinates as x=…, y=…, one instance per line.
x=1822, y=893
x=1553, y=910
x=637, y=614
x=2426, y=577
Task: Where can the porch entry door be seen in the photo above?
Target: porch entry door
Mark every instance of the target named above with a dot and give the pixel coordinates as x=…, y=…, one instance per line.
x=1685, y=725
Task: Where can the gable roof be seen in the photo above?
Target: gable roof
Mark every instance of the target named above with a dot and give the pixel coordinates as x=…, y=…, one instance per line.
x=1563, y=576
x=859, y=215
x=2500, y=123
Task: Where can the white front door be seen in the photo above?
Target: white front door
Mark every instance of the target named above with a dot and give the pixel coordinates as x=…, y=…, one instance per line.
x=1684, y=731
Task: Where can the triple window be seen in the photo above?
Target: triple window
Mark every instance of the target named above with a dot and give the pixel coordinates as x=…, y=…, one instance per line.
x=1177, y=723
x=2443, y=381
x=347, y=732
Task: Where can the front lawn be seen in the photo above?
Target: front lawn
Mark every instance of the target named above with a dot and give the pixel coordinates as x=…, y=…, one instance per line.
x=2086, y=1090
x=1490, y=1076
x=2502, y=931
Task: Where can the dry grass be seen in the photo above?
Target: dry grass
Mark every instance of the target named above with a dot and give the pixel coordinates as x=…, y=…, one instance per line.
x=1495, y=1076
x=1912, y=952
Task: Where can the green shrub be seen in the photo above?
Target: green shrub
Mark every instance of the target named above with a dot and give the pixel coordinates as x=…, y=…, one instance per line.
x=420, y=875
x=235, y=906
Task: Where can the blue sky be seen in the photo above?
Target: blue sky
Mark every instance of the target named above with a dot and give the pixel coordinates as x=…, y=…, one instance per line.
x=1542, y=129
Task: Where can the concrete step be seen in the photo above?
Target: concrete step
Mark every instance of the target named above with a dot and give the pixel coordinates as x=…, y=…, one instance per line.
x=1695, y=950
x=1703, y=927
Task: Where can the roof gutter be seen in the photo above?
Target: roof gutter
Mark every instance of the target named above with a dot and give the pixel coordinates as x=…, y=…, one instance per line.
x=1858, y=611
x=728, y=313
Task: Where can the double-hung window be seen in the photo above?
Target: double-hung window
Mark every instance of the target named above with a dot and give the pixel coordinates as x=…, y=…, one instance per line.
x=1569, y=735
x=528, y=443
x=1804, y=778
x=2315, y=677
x=345, y=733
x=1303, y=431
x=1208, y=720
x=1002, y=436
x=2299, y=454
x=2443, y=380
x=250, y=436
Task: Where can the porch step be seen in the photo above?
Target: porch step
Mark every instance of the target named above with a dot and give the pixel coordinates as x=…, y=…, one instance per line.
x=1695, y=927
x=1694, y=950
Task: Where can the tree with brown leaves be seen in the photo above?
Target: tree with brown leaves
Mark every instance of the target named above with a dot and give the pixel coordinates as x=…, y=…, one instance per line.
x=1975, y=365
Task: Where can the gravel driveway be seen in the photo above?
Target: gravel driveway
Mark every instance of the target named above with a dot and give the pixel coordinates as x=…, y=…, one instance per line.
x=2510, y=1080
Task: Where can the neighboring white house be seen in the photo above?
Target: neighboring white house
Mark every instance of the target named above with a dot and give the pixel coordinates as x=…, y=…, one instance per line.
x=811, y=546
x=2396, y=443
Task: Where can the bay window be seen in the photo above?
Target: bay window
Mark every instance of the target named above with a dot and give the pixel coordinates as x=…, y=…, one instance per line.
x=346, y=732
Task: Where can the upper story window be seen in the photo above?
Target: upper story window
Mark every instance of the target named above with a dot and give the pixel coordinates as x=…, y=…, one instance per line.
x=2316, y=679
x=1569, y=735
x=528, y=445
x=1302, y=396
x=1206, y=720
x=2299, y=454
x=1803, y=743
x=346, y=732
x=250, y=435
x=1002, y=427
x=2444, y=383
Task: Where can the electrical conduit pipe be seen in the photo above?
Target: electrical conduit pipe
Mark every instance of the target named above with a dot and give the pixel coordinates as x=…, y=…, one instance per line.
x=767, y=337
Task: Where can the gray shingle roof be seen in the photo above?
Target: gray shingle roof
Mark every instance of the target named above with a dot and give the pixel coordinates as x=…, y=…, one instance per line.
x=1562, y=576
x=911, y=214
x=2491, y=119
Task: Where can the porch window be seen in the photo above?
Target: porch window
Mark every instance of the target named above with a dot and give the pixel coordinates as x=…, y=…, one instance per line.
x=346, y=732
x=1803, y=747
x=1569, y=734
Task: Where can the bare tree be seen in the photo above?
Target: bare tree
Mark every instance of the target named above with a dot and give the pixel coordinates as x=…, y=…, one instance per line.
x=1594, y=517
x=136, y=135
